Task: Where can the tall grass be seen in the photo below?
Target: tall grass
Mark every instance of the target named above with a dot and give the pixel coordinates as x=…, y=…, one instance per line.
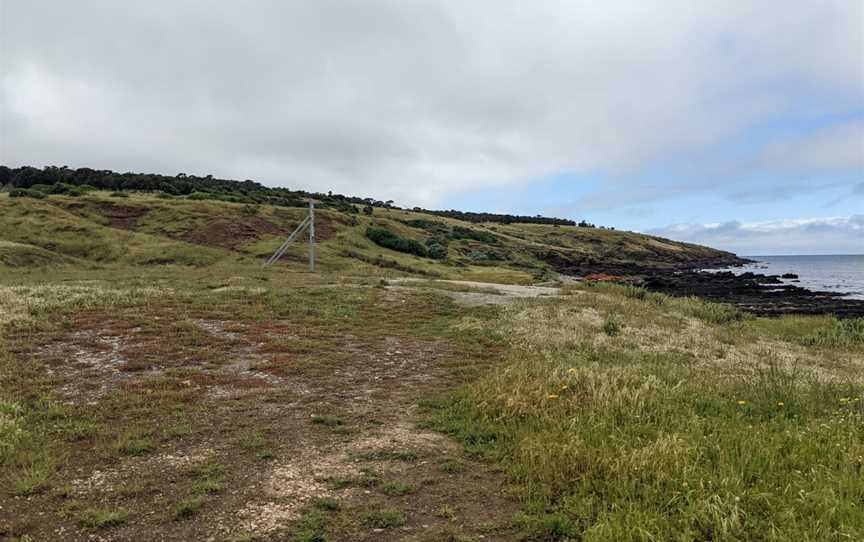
x=839, y=334
x=609, y=442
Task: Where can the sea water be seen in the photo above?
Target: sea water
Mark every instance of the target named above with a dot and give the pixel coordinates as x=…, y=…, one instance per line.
x=838, y=273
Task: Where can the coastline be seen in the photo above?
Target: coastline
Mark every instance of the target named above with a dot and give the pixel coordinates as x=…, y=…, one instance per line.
x=759, y=294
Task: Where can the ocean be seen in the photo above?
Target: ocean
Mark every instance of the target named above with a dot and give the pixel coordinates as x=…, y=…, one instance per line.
x=838, y=273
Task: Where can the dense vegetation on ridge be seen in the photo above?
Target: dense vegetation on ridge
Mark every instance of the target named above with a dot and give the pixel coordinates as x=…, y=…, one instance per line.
x=63, y=180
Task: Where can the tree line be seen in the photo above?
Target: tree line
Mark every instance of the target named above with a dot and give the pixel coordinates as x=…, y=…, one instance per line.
x=210, y=187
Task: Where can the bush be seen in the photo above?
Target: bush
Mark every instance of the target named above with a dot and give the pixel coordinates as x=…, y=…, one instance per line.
x=478, y=256
x=437, y=252
x=119, y=194
x=467, y=233
x=387, y=239
x=26, y=193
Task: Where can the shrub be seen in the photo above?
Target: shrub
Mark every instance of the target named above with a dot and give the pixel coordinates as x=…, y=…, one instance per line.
x=26, y=193
x=387, y=239
x=478, y=256
x=119, y=194
x=437, y=252
x=477, y=235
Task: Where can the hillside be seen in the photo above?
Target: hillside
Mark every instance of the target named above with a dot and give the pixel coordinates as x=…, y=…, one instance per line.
x=146, y=229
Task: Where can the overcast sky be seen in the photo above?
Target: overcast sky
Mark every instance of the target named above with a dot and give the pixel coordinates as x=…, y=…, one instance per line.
x=734, y=123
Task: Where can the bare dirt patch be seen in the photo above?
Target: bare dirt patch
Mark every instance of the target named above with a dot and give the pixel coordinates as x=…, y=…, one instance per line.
x=231, y=234
x=472, y=294
x=124, y=217
x=291, y=414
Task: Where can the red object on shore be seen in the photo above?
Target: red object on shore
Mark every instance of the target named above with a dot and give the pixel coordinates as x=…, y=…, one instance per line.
x=603, y=277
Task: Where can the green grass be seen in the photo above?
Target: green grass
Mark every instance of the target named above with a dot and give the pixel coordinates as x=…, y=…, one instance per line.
x=188, y=507
x=258, y=444
x=451, y=466
x=326, y=503
x=329, y=421
x=612, y=326
x=178, y=430
x=209, y=478
x=134, y=442
x=384, y=519
x=839, y=334
x=397, y=488
x=311, y=527
x=670, y=432
x=101, y=518
x=388, y=455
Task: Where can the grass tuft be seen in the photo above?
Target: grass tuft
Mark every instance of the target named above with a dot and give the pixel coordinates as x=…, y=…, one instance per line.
x=188, y=507
x=134, y=442
x=395, y=488
x=101, y=518
x=384, y=519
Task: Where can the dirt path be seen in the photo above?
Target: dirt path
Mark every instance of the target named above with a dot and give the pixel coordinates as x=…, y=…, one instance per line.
x=285, y=423
x=470, y=293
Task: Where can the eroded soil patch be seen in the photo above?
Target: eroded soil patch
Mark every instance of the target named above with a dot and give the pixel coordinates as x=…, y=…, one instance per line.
x=210, y=428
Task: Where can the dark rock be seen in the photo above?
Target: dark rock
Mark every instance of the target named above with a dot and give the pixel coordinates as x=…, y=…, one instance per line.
x=789, y=276
x=759, y=294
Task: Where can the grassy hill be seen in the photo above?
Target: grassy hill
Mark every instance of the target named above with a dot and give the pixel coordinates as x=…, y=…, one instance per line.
x=142, y=229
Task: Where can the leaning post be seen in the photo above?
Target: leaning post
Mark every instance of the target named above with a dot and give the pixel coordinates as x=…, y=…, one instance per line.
x=311, y=237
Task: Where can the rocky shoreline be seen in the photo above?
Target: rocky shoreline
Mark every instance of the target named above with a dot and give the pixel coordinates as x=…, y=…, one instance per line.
x=763, y=295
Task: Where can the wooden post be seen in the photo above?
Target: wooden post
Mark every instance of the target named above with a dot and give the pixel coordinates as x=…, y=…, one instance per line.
x=311, y=237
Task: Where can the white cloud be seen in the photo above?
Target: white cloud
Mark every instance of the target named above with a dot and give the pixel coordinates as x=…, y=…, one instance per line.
x=823, y=235
x=419, y=100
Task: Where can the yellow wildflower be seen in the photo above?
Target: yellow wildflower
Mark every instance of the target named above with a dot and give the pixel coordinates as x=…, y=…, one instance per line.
x=742, y=402
x=780, y=403
x=552, y=396
x=564, y=387
x=571, y=370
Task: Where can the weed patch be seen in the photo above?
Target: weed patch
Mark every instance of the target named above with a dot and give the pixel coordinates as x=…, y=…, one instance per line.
x=101, y=518
x=384, y=519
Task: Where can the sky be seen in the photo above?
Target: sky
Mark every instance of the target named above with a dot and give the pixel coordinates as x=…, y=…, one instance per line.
x=732, y=123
